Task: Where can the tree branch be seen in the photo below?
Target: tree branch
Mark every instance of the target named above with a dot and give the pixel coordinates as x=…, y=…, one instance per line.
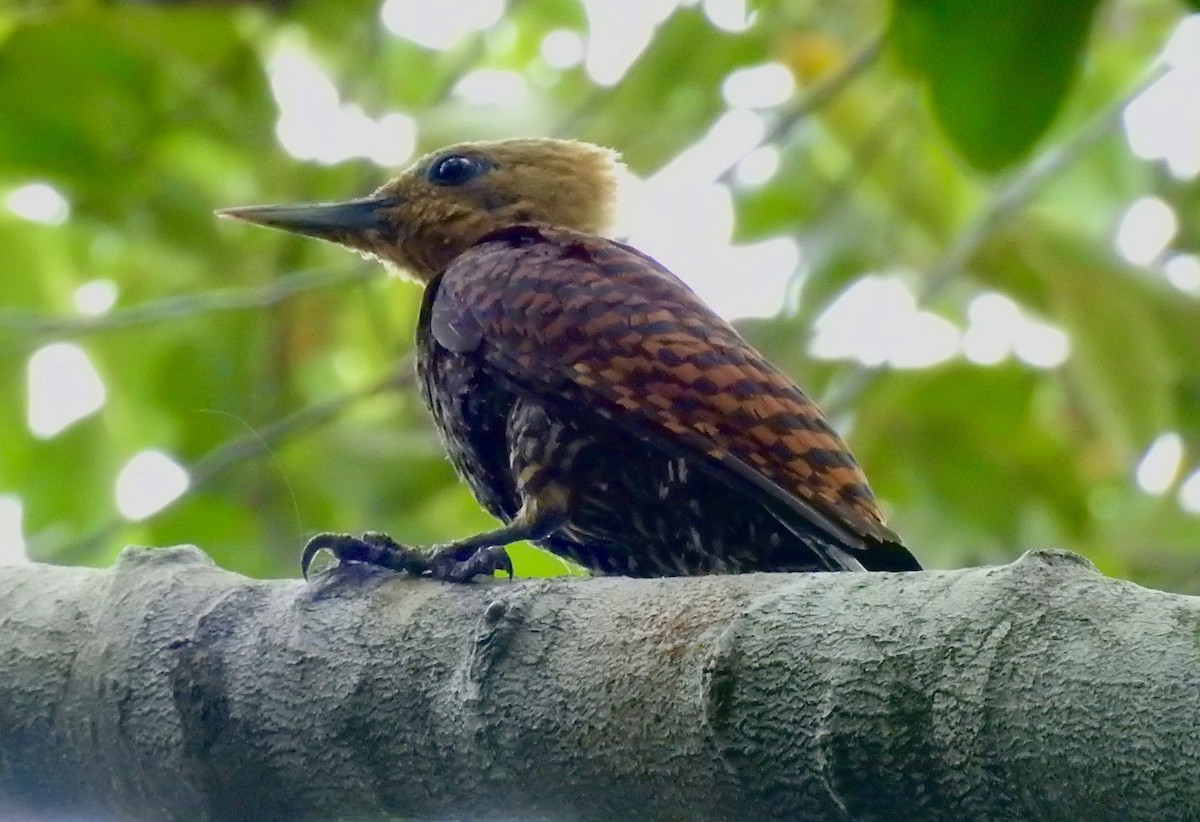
x=28, y=329
x=166, y=688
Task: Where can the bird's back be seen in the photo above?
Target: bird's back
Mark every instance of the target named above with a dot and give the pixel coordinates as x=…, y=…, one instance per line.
x=608, y=343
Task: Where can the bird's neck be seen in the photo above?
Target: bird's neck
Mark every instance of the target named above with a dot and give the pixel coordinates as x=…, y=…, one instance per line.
x=429, y=253
x=430, y=247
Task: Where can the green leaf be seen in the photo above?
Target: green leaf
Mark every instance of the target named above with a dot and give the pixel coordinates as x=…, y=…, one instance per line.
x=973, y=430
x=1132, y=340
x=996, y=73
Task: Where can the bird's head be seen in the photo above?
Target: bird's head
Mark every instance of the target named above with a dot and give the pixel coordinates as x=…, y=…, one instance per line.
x=446, y=201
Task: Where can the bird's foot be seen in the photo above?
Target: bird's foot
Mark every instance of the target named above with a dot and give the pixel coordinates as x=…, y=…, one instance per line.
x=374, y=548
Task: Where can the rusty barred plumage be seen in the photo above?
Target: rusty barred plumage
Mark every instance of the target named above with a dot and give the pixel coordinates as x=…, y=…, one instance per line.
x=588, y=397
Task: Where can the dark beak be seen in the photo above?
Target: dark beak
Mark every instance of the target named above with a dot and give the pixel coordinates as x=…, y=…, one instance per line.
x=327, y=221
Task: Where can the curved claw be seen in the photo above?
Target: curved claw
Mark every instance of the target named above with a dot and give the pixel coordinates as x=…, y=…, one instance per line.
x=319, y=543
x=504, y=562
x=485, y=561
x=379, y=549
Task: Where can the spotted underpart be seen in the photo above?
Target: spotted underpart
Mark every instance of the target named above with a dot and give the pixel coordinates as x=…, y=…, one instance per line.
x=639, y=513
x=578, y=375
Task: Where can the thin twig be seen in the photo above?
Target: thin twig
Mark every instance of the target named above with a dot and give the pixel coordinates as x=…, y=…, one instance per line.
x=819, y=95
x=829, y=86
x=36, y=327
x=261, y=441
x=246, y=447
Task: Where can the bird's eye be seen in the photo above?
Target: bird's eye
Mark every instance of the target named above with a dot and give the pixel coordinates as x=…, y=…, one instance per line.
x=455, y=169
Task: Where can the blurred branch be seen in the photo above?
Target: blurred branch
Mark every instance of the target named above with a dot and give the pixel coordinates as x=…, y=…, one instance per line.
x=1023, y=186
x=256, y=443
x=261, y=440
x=864, y=156
x=34, y=328
x=167, y=688
x=1010, y=199
x=821, y=93
x=827, y=87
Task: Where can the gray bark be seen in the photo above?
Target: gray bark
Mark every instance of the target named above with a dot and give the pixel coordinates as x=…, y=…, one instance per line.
x=166, y=688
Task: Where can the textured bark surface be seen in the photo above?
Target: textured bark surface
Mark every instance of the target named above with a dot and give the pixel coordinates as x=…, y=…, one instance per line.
x=166, y=688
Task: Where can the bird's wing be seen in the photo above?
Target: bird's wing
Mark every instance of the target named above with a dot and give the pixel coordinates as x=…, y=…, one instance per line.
x=602, y=326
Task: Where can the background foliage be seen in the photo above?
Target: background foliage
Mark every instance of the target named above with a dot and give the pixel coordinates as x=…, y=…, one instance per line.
x=960, y=148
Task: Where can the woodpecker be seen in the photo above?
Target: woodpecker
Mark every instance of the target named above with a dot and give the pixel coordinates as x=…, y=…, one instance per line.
x=590, y=400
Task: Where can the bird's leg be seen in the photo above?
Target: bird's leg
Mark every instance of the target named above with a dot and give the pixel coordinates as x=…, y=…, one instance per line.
x=458, y=561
